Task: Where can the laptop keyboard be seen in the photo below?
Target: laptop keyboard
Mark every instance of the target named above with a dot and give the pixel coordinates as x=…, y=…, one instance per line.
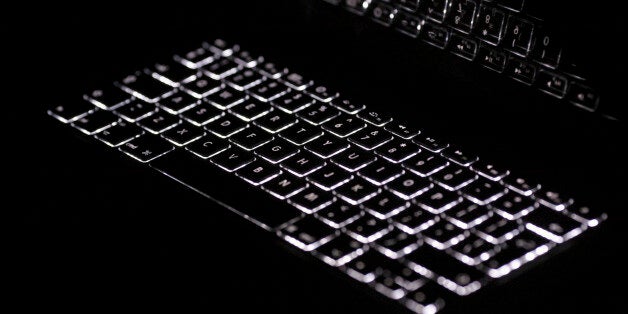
x=407, y=214
x=505, y=36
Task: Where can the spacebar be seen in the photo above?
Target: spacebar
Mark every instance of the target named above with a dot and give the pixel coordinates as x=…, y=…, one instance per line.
x=226, y=188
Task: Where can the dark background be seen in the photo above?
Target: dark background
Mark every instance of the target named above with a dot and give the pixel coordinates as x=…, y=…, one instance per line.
x=94, y=230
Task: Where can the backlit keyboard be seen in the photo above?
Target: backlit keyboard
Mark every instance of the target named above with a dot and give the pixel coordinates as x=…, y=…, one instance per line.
x=405, y=213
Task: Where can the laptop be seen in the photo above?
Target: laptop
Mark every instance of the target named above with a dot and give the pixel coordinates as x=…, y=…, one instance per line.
x=331, y=156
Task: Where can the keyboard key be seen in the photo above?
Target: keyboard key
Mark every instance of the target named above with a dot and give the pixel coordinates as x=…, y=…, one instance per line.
x=271, y=69
x=397, y=243
x=518, y=35
x=434, y=35
x=245, y=58
x=489, y=170
x=95, y=122
x=276, y=151
x=284, y=185
x=220, y=68
x=462, y=16
x=308, y=233
x=385, y=205
x=414, y=219
x=397, y=150
x=370, y=138
x=340, y=250
x=463, y=47
x=327, y=146
x=244, y=79
x=108, y=98
x=233, y=158
x=258, y=172
x=430, y=143
x=583, y=97
x=375, y=118
x=553, y=200
x=353, y=159
x=553, y=225
x=434, y=9
x=450, y=273
x=296, y=81
x=357, y=6
x=293, y=102
x=145, y=87
x=380, y=172
x=425, y=164
x=426, y=300
x=437, y=200
x=208, y=146
x=119, y=134
x=454, y=177
x=71, y=112
x=490, y=24
x=383, y=13
x=473, y=250
x=173, y=74
x=311, y=199
x=467, y=215
x=302, y=163
x=492, y=59
x=318, y=113
x=339, y=214
x=483, y=191
x=301, y=133
x=178, y=102
x=225, y=126
x=330, y=177
x=267, y=212
x=357, y=191
x=202, y=87
x=521, y=185
x=219, y=47
x=497, y=229
x=146, y=147
x=251, y=138
x=409, y=185
x=444, y=234
x=548, y=48
x=343, y=125
x=268, y=90
x=521, y=249
x=202, y=114
x=552, y=84
x=458, y=156
x=401, y=130
x=322, y=93
x=226, y=98
x=586, y=214
x=136, y=110
x=347, y=106
x=389, y=287
x=275, y=121
x=513, y=206
x=408, y=23
x=159, y=122
x=183, y=134
x=196, y=58
x=367, y=229
x=521, y=71
x=250, y=109
x=369, y=265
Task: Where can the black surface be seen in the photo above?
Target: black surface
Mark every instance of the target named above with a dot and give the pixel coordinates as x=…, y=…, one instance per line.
x=95, y=230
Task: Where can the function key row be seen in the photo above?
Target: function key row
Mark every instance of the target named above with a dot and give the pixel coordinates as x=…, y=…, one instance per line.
x=500, y=38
